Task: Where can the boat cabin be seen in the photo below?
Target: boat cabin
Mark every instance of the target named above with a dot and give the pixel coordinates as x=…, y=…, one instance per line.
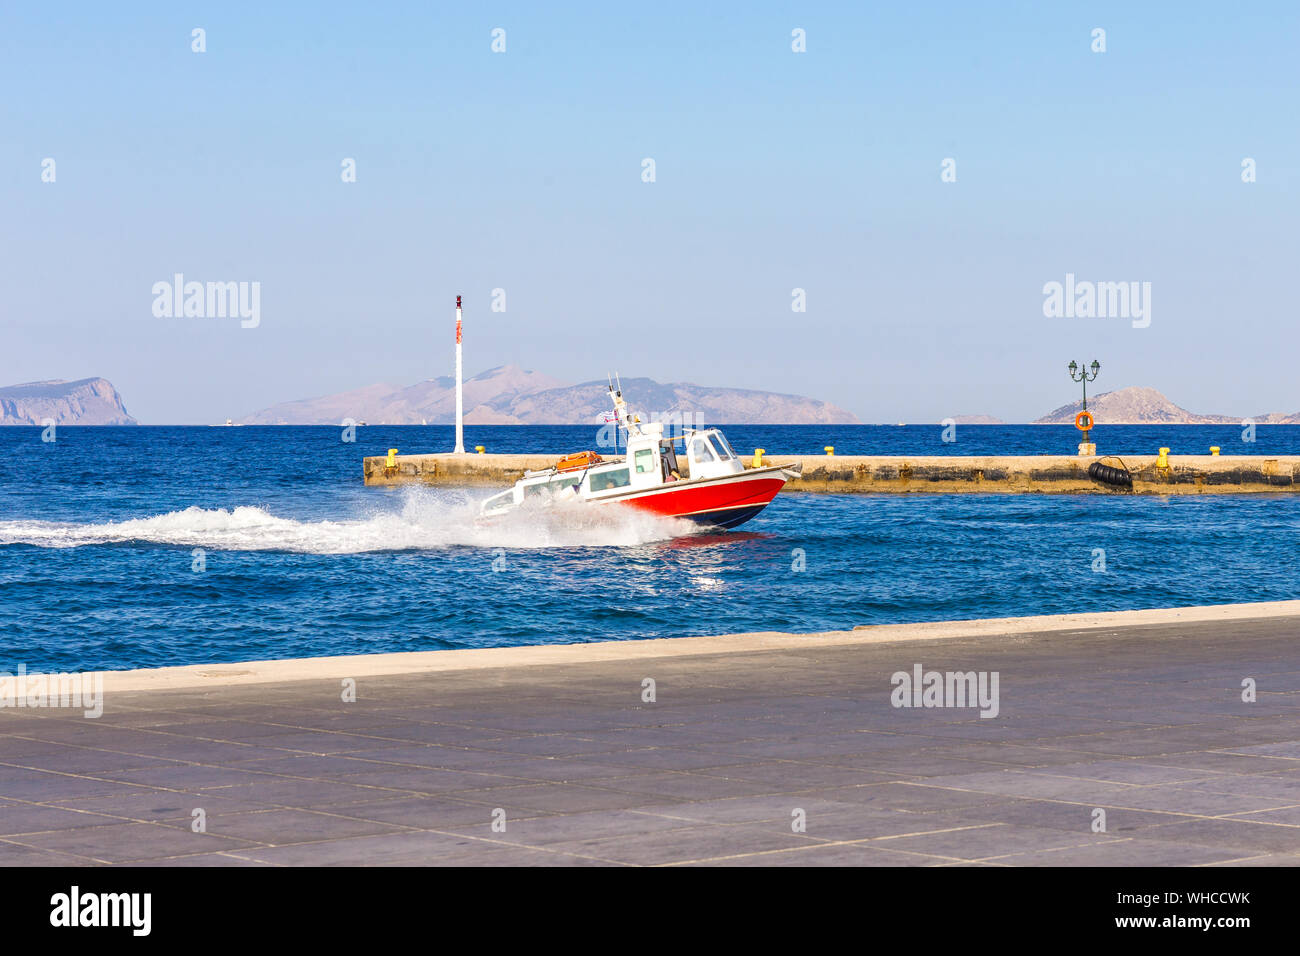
x=651, y=461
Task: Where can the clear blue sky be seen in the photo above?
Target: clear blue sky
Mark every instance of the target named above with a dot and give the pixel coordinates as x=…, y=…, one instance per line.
x=775, y=170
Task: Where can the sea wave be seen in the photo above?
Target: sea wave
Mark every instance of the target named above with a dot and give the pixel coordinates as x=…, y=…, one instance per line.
x=425, y=521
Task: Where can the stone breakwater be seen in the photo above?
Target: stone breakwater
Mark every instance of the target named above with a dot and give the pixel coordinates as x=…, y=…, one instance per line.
x=936, y=474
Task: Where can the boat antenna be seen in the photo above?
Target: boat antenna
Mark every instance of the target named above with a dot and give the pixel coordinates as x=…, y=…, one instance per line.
x=460, y=407
x=613, y=399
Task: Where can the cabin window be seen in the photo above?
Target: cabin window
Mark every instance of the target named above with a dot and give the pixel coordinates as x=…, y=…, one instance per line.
x=701, y=451
x=721, y=444
x=552, y=487
x=604, y=480
x=645, y=461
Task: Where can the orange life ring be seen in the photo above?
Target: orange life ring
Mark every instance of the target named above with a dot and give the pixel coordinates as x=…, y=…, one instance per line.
x=1080, y=417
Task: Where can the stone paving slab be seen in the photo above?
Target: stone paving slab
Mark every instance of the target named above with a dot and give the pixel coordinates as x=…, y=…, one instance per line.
x=775, y=755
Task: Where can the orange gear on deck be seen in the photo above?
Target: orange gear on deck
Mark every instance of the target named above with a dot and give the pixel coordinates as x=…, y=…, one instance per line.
x=583, y=459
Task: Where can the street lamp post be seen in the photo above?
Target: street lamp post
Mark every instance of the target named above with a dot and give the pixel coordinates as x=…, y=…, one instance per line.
x=1080, y=374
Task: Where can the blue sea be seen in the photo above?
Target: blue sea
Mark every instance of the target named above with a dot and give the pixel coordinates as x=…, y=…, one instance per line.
x=149, y=546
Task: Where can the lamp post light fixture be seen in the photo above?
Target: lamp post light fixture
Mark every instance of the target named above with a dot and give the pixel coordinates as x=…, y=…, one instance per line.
x=1081, y=375
x=1078, y=374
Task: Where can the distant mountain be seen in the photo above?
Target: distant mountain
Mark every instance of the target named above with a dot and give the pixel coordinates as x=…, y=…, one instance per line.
x=589, y=401
x=433, y=401
x=89, y=401
x=1146, y=406
x=509, y=395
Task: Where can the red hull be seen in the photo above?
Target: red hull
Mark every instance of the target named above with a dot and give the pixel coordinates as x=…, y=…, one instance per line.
x=725, y=502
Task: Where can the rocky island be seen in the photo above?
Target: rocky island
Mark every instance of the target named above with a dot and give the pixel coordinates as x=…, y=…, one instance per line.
x=88, y=401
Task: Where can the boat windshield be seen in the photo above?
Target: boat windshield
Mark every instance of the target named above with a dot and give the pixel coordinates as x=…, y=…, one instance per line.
x=724, y=449
x=702, y=451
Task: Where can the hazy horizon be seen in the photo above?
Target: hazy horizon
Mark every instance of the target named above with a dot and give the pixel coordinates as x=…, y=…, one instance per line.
x=639, y=402
x=775, y=170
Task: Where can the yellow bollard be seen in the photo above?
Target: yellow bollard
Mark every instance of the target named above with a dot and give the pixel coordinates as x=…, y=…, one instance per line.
x=479, y=449
x=392, y=458
x=1214, y=449
x=758, y=457
x=829, y=449
x=1163, y=461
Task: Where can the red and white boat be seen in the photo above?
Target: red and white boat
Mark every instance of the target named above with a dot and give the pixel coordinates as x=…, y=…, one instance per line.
x=707, y=483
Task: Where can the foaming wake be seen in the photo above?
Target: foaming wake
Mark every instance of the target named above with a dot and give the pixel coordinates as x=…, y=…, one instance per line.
x=425, y=521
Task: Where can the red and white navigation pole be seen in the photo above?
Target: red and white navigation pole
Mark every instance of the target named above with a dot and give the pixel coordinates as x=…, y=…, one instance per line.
x=460, y=406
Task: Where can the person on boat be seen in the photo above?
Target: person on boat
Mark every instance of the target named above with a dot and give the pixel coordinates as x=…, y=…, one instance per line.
x=669, y=472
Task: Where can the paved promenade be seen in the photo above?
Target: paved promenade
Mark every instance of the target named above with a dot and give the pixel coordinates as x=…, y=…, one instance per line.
x=769, y=750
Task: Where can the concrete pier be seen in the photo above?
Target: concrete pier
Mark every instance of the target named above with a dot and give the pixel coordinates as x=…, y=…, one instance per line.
x=756, y=749
x=881, y=474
